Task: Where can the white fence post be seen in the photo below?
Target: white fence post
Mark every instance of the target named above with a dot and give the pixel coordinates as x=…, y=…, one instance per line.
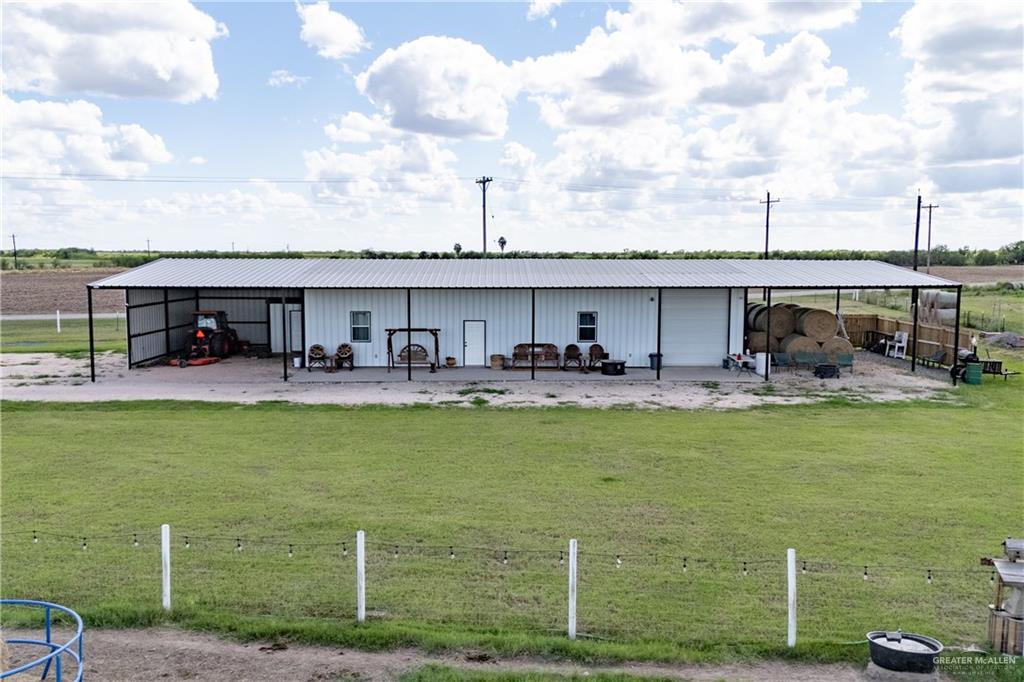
x=58, y=321
x=572, y=589
x=165, y=554
x=791, y=589
x=360, y=576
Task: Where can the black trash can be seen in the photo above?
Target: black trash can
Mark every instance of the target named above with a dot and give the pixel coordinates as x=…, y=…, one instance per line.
x=655, y=359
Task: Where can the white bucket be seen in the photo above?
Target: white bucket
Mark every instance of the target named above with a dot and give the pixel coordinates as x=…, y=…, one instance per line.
x=297, y=362
x=760, y=362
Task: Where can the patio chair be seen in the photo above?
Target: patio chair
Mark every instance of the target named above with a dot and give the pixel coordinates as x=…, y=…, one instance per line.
x=933, y=360
x=897, y=346
x=573, y=357
x=597, y=354
x=845, y=360
x=317, y=357
x=344, y=356
x=802, y=358
x=820, y=358
x=781, y=360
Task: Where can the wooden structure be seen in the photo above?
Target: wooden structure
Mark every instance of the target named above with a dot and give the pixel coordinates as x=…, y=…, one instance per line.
x=1006, y=615
x=865, y=328
x=410, y=359
x=317, y=357
x=344, y=356
x=537, y=355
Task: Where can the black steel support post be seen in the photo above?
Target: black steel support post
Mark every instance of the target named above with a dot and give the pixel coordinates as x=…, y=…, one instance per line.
x=92, y=343
x=768, y=334
x=913, y=340
x=658, y=365
x=533, y=334
x=838, y=291
x=408, y=335
x=728, y=319
x=302, y=321
x=167, y=324
x=284, y=337
x=956, y=335
x=746, y=302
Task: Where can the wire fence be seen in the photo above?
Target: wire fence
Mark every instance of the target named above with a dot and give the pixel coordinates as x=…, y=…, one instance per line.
x=669, y=596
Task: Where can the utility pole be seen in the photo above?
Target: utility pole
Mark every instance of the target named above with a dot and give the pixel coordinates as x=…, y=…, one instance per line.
x=767, y=214
x=483, y=182
x=147, y=248
x=917, y=229
x=928, y=262
x=15, y=243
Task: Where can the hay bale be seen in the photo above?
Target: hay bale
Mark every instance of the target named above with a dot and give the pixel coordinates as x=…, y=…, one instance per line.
x=942, y=299
x=756, y=343
x=752, y=311
x=835, y=346
x=798, y=343
x=818, y=324
x=783, y=321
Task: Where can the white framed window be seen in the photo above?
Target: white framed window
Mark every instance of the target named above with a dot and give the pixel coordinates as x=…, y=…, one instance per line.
x=360, y=326
x=586, y=327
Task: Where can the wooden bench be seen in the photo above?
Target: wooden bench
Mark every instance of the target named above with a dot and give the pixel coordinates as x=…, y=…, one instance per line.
x=414, y=354
x=546, y=355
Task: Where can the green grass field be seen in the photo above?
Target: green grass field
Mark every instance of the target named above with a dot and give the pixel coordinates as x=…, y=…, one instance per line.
x=40, y=336
x=901, y=488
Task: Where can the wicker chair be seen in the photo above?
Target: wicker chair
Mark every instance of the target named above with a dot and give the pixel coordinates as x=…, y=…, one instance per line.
x=345, y=356
x=597, y=354
x=573, y=357
x=317, y=357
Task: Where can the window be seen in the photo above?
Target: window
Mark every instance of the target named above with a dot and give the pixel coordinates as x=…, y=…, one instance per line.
x=360, y=326
x=586, y=328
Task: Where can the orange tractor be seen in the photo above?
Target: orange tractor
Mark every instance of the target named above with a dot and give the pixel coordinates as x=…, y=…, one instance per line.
x=211, y=339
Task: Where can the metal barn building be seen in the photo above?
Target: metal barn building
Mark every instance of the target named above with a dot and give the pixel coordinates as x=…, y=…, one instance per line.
x=691, y=311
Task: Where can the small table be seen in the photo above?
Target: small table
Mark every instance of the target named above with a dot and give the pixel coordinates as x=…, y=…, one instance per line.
x=613, y=368
x=743, y=363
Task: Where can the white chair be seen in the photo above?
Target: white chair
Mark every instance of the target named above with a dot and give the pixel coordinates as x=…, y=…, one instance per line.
x=897, y=346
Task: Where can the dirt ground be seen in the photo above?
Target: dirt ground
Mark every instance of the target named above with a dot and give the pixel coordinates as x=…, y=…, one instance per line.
x=980, y=274
x=172, y=654
x=44, y=376
x=45, y=291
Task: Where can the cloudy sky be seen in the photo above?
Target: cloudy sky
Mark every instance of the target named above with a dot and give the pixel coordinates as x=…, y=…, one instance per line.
x=605, y=126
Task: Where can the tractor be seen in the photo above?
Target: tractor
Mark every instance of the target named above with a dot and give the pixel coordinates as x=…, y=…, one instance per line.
x=211, y=339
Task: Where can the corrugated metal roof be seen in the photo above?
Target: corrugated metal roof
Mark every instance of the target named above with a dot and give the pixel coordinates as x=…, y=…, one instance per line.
x=325, y=273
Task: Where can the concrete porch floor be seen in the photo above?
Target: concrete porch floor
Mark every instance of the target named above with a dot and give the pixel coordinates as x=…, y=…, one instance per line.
x=484, y=374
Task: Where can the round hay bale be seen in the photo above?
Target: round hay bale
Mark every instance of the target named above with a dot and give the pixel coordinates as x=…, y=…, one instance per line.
x=752, y=312
x=945, y=316
x=835, y=346
x=798, y=343
x=818, y=324
x=756, y=343
x=942, y=299
x=782, y=320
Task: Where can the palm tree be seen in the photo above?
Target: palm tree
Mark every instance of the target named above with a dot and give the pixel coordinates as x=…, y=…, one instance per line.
x=501, y=244
x=458, y=249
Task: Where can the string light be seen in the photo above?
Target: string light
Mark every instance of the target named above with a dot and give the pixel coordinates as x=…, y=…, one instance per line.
x=135, y=539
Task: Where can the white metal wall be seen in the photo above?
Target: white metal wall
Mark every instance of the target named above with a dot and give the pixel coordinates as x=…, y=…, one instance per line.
x=694, y=324
x=627, y=319
x=249, y=316
x=149, y=322
x=736, y=321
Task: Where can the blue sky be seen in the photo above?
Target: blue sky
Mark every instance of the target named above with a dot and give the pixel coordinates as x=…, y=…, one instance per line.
x=606, y=126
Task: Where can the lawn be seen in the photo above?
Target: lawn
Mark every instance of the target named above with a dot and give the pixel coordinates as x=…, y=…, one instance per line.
x=899, y=488
x=40, y=336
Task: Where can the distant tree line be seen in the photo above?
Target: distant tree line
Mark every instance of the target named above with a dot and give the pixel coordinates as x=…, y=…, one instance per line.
x=1011, y=254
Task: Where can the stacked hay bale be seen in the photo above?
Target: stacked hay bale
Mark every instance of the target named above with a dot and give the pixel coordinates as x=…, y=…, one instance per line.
x=937, y=307
x=794, y=329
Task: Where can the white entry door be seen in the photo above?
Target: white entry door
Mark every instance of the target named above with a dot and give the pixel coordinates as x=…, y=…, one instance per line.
x=294, y=312
x=474, y=351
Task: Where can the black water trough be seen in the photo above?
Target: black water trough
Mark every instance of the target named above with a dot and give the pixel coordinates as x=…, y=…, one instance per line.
x=903, y=652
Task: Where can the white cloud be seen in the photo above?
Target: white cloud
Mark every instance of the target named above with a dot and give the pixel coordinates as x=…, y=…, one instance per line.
x=965, y=87
x=197, y=161
x=334, y=35
x=359, y=128
x=281, y=77
x=159, y=50
x=441, y=86
x=517, y=156
x=541, y=8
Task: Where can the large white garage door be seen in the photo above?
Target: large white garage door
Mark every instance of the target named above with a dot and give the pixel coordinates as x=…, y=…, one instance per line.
x=694, y=323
